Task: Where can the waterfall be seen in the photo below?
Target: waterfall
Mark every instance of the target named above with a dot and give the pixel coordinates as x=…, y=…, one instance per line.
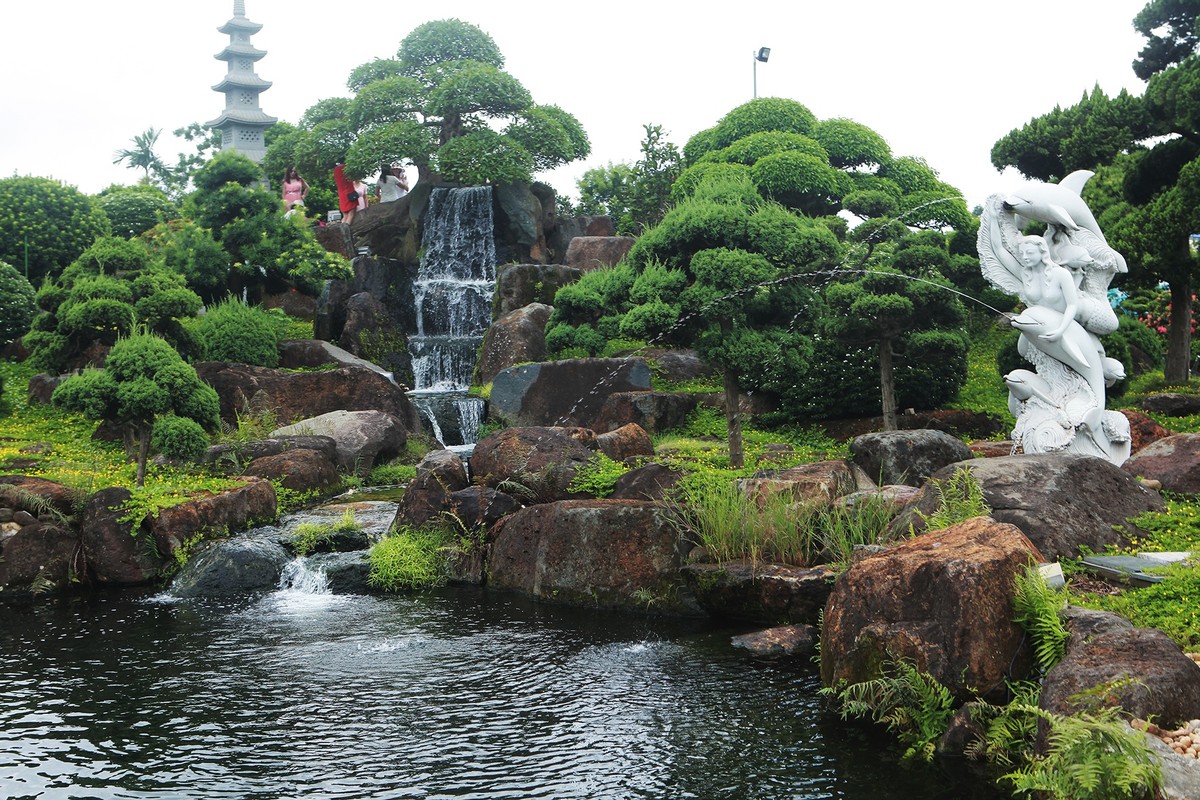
x=297, y=577
x=453, y=295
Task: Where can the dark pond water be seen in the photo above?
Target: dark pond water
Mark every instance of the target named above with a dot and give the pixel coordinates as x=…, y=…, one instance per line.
x=455, y=694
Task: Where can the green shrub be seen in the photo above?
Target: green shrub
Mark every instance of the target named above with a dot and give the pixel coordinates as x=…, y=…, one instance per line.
x=17, y=304
x=179, y=437
x=132, y=210
x=391, y=474
x=960, y=497
x=312, y=537
x=410, y=558
x=48, y=222
x=234, y=331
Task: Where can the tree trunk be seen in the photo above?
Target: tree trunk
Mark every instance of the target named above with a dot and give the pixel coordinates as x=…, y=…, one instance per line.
x=143, y=452
x=733, y=421
x=887, y=385
x=1179, y=333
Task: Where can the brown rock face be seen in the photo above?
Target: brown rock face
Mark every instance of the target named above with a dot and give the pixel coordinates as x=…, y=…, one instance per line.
x=519, y=285
x=567, y=392
x=39, y=556
x=628, y=441
x=1061, y=502
x=517, y=337
x=300, y=395
x=819, y=482
x=299, y=470
x=589, y=253
x=541, y=462
x=649, y=482
x=942, y=600
x=1174, y=462
x=1147, y=676
x=653, y=411
x=15, y=491
x=1144, y=429
x=592, y=553
x=119, y=556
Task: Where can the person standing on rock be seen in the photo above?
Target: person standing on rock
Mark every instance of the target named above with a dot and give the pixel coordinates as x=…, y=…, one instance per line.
x=347, y=196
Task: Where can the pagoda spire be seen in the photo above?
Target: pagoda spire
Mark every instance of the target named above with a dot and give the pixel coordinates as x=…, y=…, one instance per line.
x=243, y=123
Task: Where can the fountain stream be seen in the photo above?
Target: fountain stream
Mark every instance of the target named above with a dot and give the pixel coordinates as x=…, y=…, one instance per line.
x=453, y=294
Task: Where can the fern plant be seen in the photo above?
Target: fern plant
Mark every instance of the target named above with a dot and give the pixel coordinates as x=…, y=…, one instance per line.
x=1093, y=756
x=912, y=704
x=1038, y=607
x=960, y=497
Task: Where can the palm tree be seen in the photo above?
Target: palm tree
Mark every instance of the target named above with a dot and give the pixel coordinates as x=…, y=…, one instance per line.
x=142, y=155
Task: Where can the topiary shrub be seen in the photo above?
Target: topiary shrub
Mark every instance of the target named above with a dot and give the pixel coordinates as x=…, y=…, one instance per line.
x=17, y=304
x=234, y=331
x=132, y=210
x=179, y=437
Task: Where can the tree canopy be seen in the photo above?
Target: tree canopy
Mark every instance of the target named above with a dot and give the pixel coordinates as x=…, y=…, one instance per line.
x=444, y=103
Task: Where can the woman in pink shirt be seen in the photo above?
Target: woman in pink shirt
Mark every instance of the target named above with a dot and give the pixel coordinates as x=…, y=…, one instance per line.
x=295, y=189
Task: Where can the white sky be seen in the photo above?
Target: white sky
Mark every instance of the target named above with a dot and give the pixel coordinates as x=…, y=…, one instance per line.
x=941, y=79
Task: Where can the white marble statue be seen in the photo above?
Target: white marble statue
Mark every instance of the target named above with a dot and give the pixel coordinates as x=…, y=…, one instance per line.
x=1062, y=278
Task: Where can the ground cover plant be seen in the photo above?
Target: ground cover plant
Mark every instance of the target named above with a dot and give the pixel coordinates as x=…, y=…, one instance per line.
x=57, y=445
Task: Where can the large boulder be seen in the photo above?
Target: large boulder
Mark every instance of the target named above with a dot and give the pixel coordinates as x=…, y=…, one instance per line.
x=565, y=230
x=517, y=337
x=653, y=411
x=594, y=553
x=942, y=601
x=38, y=556
x=364, y=438
x=231, y=458
x=233, y=567
x=772, y=594
x=651, y=481
x=1143, y=429
x=820, y=482
x=537, y=463
x=1172, y=404
x=38, y=496
x=371, y=334
x=301, y=395
x=1141, y=670
x=519, y=285
x=1061, y=502
x=563, y=392
x=589, y=253
x=118, y=553
x=300, y=470
x=345, y=573
x=1174, y=462
x=627, y=442
x=906, y=457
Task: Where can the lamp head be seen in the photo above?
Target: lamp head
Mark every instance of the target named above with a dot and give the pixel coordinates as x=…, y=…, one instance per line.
x=763, y=54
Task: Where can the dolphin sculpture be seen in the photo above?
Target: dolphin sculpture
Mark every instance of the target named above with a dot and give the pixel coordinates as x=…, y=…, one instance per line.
x=1056, y=203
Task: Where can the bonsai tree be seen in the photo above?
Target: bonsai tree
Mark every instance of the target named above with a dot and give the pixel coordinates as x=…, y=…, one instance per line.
x=146, y=387
x=444, y=103
x=100, y=297
x=133, y=210
x=720, y=273
x=899, y=299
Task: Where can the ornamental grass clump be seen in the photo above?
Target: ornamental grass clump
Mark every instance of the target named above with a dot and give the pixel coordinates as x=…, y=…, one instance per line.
x=234, y=331
x=410, y=558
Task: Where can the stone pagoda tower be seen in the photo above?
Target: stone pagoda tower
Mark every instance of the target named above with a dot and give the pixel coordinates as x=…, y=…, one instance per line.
x=242, y=123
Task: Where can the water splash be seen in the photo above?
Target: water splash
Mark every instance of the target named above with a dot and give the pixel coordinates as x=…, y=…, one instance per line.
x=299, y=578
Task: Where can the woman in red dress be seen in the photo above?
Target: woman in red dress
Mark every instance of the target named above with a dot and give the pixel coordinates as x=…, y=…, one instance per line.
x=344, y=187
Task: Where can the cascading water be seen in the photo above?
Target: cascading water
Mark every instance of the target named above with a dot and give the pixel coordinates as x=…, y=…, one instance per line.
x=453, y=294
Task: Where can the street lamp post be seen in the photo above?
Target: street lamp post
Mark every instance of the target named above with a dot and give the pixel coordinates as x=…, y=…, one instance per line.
x=762, y=55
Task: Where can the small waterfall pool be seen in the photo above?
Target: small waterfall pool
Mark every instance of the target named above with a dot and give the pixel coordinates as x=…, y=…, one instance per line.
x=457, y=693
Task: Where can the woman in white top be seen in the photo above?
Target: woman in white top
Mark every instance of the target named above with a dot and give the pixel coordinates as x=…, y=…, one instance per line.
x=392, y=184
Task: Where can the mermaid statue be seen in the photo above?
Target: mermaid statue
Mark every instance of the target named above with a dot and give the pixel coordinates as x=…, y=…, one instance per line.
x=1062, y=278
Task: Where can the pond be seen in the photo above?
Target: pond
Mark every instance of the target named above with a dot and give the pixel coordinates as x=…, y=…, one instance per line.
x=449, y=694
